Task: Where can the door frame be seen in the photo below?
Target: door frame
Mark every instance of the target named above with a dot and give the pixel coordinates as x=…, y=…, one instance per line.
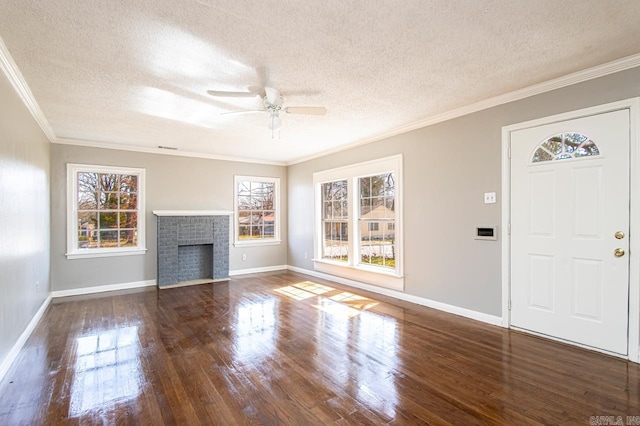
x=633, y=105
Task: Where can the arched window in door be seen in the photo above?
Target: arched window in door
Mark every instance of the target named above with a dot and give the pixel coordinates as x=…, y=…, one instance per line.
x=564, y=146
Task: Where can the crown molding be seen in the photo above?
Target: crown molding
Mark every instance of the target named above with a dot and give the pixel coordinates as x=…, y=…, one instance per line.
x=536, y=89
x=11, y=70
x=156, y=150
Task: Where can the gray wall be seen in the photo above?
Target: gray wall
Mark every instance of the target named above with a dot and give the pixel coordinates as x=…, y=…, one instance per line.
x=24, y=217
x=172, y=183
x=447, y=168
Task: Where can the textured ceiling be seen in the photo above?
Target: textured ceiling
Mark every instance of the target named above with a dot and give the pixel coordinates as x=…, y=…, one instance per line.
x=136, y=72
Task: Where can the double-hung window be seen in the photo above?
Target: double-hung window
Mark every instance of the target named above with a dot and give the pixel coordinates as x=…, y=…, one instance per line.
x=105, y=211
x=257, y=210
x=359, y=222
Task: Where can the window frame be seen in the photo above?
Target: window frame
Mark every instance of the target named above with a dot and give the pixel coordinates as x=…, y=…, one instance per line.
x=392, y=278
x=277, y=212
x=73, y=252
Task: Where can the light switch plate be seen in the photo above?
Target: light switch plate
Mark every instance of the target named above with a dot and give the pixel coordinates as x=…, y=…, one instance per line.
x=489, y=197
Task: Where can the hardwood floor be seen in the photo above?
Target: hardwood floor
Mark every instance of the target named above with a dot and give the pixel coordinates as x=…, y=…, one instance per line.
x=285, y=348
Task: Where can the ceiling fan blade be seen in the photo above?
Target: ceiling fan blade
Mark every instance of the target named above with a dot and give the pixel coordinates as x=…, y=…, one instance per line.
x=306, y=110
x=242, y=112
x=224, y=94
x=273, y=95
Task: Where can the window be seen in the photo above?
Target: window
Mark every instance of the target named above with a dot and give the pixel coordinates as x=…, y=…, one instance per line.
x=105, y=211
x=377, y=205
x=564, y=146
x=335, y=216
x=257, y=210
x=358, y=222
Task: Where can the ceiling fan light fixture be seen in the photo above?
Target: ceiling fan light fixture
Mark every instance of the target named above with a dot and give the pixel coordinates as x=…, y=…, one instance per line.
x=273, y=104
x=275, y=123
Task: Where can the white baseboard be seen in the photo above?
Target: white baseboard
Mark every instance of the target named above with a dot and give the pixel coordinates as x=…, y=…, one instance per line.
x=456, y=310
x=256, y=270
x=102, y=288
x=13, y=353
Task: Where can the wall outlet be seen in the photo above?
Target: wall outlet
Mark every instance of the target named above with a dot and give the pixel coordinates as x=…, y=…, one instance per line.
x=306, y=256
x=489, y=197
x=37, y=286
x=244, y=256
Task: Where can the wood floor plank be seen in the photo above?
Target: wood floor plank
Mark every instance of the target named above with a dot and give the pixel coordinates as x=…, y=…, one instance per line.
x=283, y=348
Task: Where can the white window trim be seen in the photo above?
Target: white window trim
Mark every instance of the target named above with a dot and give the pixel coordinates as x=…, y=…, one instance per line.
x=389, y=278
x=264, y=242
x=73, y=252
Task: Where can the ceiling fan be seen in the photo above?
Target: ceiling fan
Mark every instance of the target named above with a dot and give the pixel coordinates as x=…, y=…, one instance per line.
x=273, y=105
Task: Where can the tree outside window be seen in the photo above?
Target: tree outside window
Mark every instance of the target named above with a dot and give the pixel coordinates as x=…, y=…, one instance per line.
x=256, y=209
x=105, y=210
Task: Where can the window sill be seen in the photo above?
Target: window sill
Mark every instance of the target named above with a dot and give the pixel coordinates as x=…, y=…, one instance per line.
x=380, y=278
x=257, y=243
x=89, y=254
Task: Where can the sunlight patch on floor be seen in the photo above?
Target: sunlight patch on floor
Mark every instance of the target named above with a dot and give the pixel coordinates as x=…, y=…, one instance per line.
x=294, y=293
x=314, y=287
x=353, y=300
x=336, y=308
x=343, y=303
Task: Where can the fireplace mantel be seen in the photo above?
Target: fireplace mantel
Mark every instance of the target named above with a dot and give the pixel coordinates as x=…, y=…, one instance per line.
x=192, y=212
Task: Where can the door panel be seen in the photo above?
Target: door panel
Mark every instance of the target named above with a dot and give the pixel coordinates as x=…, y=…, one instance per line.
x=542, y=203
x=541, y=282
x=570, y=195
x=587, y=289
x=588, y=199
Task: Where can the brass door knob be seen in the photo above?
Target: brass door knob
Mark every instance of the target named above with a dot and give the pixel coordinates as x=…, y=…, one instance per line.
x=618, y=252
x=619, y=235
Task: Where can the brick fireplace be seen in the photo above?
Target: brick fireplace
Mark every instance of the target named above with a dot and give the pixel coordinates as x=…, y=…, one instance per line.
x=193, y=247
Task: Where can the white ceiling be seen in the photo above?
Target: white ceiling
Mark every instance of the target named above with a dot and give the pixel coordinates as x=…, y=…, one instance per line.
x=135, y=73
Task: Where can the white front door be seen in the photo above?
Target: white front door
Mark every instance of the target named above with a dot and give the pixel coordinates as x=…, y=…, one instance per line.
x=570, y=230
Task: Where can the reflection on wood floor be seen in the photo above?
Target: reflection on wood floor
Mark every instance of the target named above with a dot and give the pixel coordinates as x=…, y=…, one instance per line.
x=282, y=348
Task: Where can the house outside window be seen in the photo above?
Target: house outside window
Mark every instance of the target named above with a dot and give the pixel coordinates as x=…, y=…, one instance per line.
x=377, y=206
x=359, y=221
x=335, y=216
x=257, y=210
x=105, y=211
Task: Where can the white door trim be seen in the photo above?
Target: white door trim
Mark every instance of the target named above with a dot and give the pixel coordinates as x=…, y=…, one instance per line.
x=633, y=105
